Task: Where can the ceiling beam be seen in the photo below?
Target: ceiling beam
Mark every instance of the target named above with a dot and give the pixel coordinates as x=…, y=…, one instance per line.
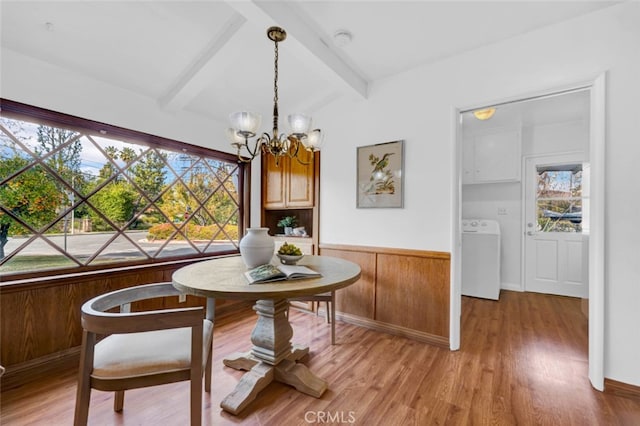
x=195, y=77
x=305, y=39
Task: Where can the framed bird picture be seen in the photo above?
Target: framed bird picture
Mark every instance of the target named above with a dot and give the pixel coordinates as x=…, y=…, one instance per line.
x=380, y=170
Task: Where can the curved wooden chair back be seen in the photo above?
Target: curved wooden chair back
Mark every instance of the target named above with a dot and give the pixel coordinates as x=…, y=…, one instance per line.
x=118, y=369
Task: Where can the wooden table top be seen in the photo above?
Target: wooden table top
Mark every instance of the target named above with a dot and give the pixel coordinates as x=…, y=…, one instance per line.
x=223, y=278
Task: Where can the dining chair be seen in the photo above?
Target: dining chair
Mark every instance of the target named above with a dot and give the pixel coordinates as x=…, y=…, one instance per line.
x=330, y=308
x=143, y=349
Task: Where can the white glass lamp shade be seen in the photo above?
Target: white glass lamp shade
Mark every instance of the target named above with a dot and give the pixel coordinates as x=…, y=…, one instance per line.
x=313, y=140
x=299, y=124
x=245, y=122
x=234, y=137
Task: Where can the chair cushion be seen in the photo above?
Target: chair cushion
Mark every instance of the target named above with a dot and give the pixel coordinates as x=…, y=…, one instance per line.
x=150, y=352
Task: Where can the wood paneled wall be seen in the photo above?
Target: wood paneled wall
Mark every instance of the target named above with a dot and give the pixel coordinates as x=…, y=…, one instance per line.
x=41, y=320
x=401, y=291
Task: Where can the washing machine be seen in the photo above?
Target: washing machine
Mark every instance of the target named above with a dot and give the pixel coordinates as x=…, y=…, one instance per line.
x=481, y=258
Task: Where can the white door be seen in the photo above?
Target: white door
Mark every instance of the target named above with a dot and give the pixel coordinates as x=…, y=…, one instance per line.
x=556, y=225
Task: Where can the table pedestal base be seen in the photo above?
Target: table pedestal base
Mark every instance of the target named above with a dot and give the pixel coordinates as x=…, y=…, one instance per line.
x=272, y=358
x=260, y=374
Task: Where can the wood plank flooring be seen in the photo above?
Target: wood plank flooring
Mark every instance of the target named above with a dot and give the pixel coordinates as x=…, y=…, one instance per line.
x=523, y=361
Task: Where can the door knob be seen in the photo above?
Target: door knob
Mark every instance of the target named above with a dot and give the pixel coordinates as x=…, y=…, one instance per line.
x=530, y=233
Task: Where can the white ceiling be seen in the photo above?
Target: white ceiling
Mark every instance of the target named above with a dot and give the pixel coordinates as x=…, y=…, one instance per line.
x=213, y=57
x=550, y=109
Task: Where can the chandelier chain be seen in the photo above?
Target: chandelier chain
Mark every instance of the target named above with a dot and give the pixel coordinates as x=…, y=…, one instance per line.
x=275, y=90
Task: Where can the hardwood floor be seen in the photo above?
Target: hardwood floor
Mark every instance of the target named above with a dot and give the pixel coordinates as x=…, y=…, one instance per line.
x=523, y=361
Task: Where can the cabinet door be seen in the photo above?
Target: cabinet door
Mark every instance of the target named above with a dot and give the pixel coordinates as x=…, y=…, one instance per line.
x=468, y=171
x=300, y=181
x=497, y=156
x=273, y=182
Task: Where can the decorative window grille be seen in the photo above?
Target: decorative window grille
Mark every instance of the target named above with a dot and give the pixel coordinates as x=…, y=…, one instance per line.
x=79, y=194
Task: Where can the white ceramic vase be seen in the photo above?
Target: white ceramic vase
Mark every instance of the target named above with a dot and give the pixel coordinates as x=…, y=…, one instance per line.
x=257, y=247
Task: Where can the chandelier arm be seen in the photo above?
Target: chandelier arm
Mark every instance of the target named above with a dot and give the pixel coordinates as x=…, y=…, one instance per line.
x=294, y=146
x=256, y=147
x=242, y=159
x=297, y=143
x=303, y=162
x=248, y=148
x=264, y=144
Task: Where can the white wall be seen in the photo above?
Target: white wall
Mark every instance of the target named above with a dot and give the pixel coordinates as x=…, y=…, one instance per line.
x=417, y=106
x=38, y=83
x=556, y=138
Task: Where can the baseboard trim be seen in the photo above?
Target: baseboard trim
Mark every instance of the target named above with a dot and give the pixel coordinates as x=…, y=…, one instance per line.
x=625, y=390
x=511, y=287
x=395, y=330
x=32, y=370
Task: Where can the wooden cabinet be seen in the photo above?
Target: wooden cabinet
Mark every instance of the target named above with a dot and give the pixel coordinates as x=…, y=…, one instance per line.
x=292, y=189
x=289, y=185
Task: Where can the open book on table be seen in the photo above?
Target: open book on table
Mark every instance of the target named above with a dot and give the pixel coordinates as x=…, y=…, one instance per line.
x=269, y=272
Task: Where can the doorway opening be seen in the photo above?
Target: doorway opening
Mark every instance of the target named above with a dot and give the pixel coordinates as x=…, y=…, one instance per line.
x=489, y=185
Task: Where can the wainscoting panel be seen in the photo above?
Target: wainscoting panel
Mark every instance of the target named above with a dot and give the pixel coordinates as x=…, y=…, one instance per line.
x=358, y=299
x=404, y=292
x=413, y=292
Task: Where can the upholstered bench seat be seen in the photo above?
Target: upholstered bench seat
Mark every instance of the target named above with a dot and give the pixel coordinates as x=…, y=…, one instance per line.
x=149, y=352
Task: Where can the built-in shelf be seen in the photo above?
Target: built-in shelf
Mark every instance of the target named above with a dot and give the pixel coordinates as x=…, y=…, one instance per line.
x=304, y=218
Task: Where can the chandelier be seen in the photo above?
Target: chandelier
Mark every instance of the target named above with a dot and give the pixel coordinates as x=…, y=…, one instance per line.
x=246, y=124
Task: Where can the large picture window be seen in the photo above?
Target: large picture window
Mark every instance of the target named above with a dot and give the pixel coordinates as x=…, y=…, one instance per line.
x=88, y=196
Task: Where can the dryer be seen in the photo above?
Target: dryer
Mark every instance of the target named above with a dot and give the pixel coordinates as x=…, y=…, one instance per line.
x=481, y=258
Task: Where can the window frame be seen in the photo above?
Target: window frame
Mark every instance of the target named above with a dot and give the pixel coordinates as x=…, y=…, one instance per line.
x=20, y=111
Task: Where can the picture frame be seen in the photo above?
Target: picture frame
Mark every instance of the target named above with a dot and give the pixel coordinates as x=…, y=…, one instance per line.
x=380, y=175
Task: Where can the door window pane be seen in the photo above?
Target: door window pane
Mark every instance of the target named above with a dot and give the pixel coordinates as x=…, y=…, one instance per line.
x=559, y=198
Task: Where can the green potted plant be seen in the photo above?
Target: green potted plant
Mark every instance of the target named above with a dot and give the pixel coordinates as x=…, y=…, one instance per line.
x=287, y=223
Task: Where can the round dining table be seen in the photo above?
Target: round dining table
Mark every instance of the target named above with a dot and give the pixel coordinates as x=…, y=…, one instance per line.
x=273, y=356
